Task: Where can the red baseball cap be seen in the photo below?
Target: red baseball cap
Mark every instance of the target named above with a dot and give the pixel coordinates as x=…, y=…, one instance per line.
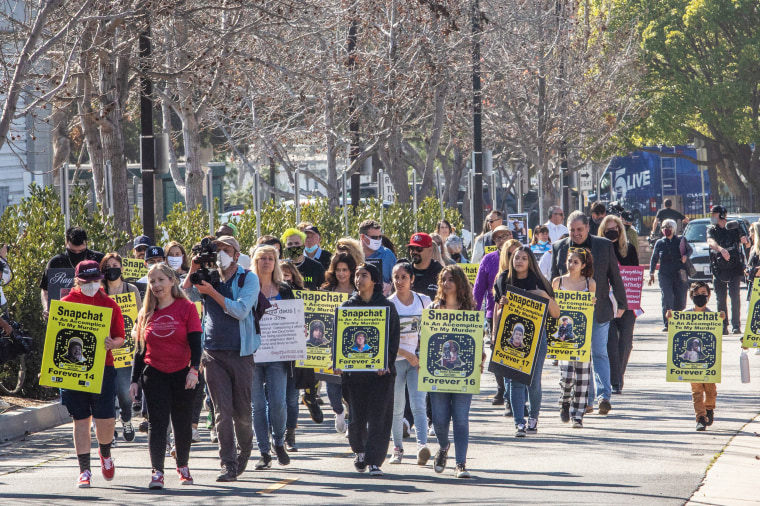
x=421, y=240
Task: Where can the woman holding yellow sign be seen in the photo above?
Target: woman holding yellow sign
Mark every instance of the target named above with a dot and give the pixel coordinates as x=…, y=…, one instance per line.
x=453, y=293
x=524, y=274
x=114, y=284
x=370, y=394
x=575, y=376
x=84, y=406
x=166, y=363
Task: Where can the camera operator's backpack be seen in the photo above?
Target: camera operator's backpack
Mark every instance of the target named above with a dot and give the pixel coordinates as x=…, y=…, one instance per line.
x=262, y=305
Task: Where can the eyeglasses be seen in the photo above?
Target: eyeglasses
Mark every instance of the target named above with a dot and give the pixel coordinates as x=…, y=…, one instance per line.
x=496, y=219
x=416, y=249
x=558, y=214
x=140, y=249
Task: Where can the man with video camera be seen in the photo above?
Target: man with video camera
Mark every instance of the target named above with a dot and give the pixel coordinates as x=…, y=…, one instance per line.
x=725, y=240
x=230, y=339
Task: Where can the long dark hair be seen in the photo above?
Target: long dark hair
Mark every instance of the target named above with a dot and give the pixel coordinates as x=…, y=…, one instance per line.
x=464, y=292
x=532, y=269
x=331, y=282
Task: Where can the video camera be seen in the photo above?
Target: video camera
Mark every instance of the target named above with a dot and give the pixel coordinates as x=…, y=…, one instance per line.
x=615, y=208
x=205, y=256
x=14, y=345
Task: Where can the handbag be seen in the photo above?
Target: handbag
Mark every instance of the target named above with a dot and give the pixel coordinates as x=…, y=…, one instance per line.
x=690, y=269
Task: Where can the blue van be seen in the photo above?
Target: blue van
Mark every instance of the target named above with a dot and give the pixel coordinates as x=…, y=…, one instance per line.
x=643, y=179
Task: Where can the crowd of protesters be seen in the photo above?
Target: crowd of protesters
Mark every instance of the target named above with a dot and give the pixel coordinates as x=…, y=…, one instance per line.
x=184, y=361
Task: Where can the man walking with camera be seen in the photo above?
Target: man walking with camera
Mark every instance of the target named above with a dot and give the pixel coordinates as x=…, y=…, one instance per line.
x=230, y=339
x=725, y=241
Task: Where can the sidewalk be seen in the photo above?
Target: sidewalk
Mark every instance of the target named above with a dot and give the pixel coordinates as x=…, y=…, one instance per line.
x=731, y=479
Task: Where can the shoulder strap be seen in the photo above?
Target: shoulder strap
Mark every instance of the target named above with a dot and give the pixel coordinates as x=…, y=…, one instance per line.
x=241, y=278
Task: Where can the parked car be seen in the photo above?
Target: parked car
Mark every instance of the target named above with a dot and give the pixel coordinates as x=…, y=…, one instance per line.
x=696, y=233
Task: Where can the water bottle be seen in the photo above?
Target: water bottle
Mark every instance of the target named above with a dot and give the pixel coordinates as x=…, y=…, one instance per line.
x=744, y=366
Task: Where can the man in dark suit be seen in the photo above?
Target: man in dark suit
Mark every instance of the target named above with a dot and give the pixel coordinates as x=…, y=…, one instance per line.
x=606, y=274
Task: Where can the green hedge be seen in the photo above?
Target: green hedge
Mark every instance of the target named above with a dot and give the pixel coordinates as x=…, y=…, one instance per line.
x=35, y=229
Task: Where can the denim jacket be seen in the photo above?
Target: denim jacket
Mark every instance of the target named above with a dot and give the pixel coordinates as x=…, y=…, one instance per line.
x=245, y=299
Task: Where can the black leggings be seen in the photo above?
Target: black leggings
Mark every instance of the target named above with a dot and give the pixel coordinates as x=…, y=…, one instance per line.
x=167, y=396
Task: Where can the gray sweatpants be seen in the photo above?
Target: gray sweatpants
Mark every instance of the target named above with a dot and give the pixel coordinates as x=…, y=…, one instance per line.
x=230, y=378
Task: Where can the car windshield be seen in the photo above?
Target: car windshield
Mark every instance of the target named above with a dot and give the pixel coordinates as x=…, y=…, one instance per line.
x=696, y=231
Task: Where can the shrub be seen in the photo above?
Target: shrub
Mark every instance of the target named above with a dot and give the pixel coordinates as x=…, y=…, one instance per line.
x=35, y=230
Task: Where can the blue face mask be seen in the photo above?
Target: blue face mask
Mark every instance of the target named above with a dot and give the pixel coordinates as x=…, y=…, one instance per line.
x=311, y=249
x=543, y=243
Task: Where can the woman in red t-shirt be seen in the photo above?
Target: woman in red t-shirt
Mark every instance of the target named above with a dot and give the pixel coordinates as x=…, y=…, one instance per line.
x=166, y=361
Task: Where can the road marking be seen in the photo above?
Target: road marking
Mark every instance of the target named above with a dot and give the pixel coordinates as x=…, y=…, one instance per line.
x=277, y=486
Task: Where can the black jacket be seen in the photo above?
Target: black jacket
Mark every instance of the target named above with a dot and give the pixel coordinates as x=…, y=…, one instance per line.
x=392, y=339
x=606, y=274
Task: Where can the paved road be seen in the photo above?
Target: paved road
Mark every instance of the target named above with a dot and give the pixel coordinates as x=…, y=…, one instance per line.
x=645, y=451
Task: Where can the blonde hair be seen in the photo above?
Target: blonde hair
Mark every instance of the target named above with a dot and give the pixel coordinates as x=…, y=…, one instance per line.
x=150, y=303
x=258, y=253
x=622, y=243
x=504, y=253
x=754, y=230
x=352, y=247
x=443, y=251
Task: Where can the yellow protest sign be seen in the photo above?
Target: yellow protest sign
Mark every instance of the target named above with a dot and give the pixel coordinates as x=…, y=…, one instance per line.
x=199, y=308
x=569, y=337
x=133, y=269
x=451, y=350
x=122, y=357
x=752, y=327
x=319, y=314
x=518, y=335
x=490, y=249
x=694, y=347
x=361, y=339
x=471, y=271
x=75, y=352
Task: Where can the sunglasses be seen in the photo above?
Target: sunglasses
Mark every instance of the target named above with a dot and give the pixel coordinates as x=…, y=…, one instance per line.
x=580, y=251
x=141, y=248
x=416, y=249
x=491, y=221
x=375, y=237
x=558, y=214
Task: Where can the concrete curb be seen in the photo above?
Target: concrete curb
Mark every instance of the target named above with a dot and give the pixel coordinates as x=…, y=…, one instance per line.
x=23, y=421
x=732, y=479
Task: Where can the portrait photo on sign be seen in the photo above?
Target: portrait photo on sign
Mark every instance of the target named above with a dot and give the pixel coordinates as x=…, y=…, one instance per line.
x=754, y=319
x=451, y=355
x=693, y=349
x=518, y=334
x=360, y=340
x=568, y=330
x=74, y=350
x=317, y=334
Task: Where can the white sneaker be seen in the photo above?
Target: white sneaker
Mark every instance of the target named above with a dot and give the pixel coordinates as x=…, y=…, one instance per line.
x=340, y=423
x=431, y=431
x=398, y=454
x=214, y=437
x=4, y=406
x=757, y=351
x=196, y=438
x=169, y=450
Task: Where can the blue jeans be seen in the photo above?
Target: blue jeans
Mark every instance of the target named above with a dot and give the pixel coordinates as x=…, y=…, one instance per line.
x=270, y=380
x=519, y=392
x=448, y=407
x=335, y=396
x=123, y=379
x=406, y=377
x=600, y=388
x=291, y=401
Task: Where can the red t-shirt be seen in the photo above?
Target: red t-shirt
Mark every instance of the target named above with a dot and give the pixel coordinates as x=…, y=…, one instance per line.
x=100, y=300
x=166, y=346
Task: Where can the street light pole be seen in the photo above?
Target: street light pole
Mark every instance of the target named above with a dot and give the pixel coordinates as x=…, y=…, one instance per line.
x=147, y=140
x=477, y=134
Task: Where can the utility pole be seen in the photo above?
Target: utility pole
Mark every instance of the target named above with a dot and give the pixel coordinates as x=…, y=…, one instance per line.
x=353, y=126
x=147, y=140
x=477, y=133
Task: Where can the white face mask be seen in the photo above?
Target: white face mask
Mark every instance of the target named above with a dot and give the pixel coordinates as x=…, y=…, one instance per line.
x=374, y=244
x=90, y=289
x=174, y=262
x=223, y=260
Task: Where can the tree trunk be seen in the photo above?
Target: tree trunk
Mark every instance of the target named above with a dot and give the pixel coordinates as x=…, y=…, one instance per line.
x=193, y=170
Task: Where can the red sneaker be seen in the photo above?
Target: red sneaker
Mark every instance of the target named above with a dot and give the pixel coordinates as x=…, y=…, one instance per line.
x=184, y=475
x=156, y=481
x=106, y=465
x=84, y=479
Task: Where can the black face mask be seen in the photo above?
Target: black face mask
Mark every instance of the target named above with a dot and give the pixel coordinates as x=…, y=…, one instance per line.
x=112, y=273
x=75, y=258
x=294, y=252
x=700, y=300
x=612, y=235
